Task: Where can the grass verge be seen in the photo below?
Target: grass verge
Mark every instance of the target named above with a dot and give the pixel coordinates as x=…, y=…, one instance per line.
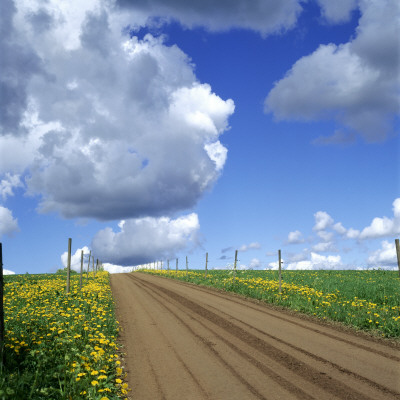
x=58, y=345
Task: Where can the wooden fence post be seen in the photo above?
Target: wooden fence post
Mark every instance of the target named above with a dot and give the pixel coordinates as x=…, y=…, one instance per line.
x=205, y=272
x=398, y=253
x=88, y=265
x=280, y=272
x=69, y=264
x=80, y=279
x=2, y=355
x=234, y=265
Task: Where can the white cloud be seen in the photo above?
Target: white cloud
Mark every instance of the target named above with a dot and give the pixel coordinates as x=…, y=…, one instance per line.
x=8, y=224
x=322, y=220
x=117, y=269
x=295, y=237
x=385, y=256
x=339, y=228
x=317, y=261
x=356, y=83
x=338, y=10
x=325, y=236
x=8, y=183
x=259, y=15
x=251, y=246
x=353, y=233
x=324, y=247
x=146, y=239
x=76, y=259
x=8, y=272
x=105, y=113
x=381, y=227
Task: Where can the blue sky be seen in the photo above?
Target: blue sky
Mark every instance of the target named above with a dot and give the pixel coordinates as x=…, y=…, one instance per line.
x=154, y=130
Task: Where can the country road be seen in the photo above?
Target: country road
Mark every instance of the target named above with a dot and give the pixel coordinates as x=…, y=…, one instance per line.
x=184, y=342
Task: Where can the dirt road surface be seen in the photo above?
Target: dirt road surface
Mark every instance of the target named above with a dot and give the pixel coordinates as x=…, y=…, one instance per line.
x=184, y=342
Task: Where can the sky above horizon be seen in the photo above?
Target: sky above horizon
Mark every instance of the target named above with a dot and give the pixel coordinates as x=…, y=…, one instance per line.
x=153, y=130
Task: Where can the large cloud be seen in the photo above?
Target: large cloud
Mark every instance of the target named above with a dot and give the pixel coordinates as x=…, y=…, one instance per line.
x=116, y=127
x=146, y=239
x=356, y=83
x=264, y=16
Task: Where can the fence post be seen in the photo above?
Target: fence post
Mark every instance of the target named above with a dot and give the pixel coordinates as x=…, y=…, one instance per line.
x=234, y=265
x=398, y=254
x=80, y=279
x=88, y=265
x=205, y=272
x=2, y=355
x=280, y=272
x=69, y=264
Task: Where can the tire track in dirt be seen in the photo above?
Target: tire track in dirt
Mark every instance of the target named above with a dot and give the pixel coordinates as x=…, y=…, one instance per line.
x=212, y=346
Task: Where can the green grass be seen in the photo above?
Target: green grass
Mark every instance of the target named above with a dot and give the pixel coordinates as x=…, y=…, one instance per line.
x=365, y=300
x=58, y=345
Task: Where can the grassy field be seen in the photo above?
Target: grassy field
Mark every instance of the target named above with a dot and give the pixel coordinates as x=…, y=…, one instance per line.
x=366, y=300
x=58, y=345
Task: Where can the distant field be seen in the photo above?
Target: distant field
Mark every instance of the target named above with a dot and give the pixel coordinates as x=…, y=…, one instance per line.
x=366, y=300
x=58, y=345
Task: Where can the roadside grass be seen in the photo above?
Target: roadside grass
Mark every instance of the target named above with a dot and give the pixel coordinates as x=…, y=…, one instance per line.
x=365, y=300
x=58, y=345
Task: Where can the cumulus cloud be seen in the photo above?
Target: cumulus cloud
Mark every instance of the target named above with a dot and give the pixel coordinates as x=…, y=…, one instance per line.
x=322, y=220
x=295, y=237
x=121, y=120
x=385, y=256
x=117, y=269
x=317, y=261
x=381, y=227
x=8, y=224
x=8, y=272
x=146, y=239
x=337, y=11
x=259, y=15
x=355, y=83
x=7, y=185
x=76, y=259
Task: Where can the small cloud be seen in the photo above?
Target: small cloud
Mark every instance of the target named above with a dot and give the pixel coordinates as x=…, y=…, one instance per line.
x=353, y=233
x=295, y=238
x=8, y=224
x=339, y=228
x=324, y=247
x=8, y=272
x=322, y=220
x=246, y=247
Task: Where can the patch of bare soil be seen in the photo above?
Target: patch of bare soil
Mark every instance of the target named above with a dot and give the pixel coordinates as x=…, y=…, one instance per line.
x=184, y=342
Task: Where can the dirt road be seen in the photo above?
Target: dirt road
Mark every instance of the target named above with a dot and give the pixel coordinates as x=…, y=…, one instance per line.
x=185, y=342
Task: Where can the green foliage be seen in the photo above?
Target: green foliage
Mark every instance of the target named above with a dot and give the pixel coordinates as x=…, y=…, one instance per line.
x=58, y=345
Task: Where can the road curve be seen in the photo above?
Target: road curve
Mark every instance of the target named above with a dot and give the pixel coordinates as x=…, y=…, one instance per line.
x=185, y=342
